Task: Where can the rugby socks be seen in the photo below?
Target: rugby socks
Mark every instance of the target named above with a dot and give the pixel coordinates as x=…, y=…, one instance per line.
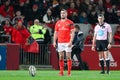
x=61, y=64
x=102, y=65
x=108, y=65
x=69, y=64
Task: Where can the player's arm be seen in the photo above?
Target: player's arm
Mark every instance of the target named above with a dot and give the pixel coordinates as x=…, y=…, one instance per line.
x=55, y=38
x=93, y=42
x=72, y=36
x=110, y=37
x=110, y=40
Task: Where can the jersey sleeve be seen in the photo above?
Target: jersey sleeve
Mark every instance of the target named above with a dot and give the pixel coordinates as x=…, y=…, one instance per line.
x=95, y=30
x=72, y=25
x=56, y=26
x=109, y=28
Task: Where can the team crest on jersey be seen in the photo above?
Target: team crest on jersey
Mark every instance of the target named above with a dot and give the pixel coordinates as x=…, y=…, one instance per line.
x=58, y=25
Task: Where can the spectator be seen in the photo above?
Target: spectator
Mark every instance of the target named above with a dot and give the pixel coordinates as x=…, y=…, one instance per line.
x=34, y=13
x=71, y=9
x=117, y=19
x=38, y=33
x=85, y=5
x=8, y=28
x=74, y=17
x=44, y=5
x=107, y=4
x=78, y=6
x=100, y=5
x=48, y=19
x=83, y=18
x=89, y=37
x=20, y=34
x=117, y=36
x=92, y=17
x=20, y=6
x=7, y=10
x=109, y=16
x=55, y=8
x=90, y=9
x=63, y=4
x=17, y=17
x=114, y=8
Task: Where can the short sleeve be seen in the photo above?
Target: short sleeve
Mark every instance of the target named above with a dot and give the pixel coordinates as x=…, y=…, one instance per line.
x=109, y=28
x=56, y=26
x=95, y=30
x=72, y=25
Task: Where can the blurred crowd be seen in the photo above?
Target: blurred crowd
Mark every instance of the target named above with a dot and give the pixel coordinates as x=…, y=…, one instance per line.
x=23, y=13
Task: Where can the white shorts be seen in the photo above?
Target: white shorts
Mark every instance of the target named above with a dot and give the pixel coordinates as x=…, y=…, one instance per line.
x=64, y=47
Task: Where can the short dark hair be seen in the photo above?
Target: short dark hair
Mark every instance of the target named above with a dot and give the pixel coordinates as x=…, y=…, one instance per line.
x=77, y=26
x=63, y=10
x=101, y=15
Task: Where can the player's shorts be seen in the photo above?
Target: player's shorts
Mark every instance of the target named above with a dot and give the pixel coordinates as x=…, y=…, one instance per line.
x=64, y=47
x=101, y=45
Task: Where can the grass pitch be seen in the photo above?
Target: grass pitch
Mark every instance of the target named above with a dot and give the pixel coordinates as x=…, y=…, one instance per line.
x=53, y=75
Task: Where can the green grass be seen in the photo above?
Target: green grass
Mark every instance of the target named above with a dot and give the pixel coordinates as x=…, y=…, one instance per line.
x=53, y=75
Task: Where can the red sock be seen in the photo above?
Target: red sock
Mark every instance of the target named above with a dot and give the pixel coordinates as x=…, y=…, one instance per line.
x=61, y=64
x=69, y=63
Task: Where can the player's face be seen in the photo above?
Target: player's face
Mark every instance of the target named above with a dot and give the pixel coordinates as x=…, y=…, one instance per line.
x=63, y=14
x=100, y=19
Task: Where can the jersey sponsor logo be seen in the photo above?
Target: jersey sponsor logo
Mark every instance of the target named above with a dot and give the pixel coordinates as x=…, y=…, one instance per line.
x=58, y=25
x=63, y=28
x=100, y=32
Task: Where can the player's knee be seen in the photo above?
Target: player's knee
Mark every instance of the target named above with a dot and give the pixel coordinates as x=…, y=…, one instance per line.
x=61, y=57
x=68, y=57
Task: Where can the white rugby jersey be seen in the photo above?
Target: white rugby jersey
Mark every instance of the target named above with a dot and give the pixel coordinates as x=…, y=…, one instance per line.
x=102, y=31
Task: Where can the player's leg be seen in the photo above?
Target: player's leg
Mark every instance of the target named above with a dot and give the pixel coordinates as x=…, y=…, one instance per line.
x=101, y=59
x=107, y=60
x=69, y=62
x=61, y=58
x=61, y=63
x=100, y=49
x=80, y=61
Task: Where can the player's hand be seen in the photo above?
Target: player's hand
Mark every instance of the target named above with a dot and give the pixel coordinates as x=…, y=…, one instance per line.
x=54, y=44
x=93, y=48
x=70, y=44
x=109, y=46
